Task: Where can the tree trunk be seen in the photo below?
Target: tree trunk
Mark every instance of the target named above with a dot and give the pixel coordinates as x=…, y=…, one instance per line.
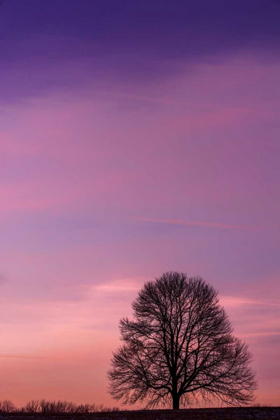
x=176, y=400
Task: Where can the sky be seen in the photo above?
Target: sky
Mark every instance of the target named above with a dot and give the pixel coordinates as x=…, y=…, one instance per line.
x=135, y=138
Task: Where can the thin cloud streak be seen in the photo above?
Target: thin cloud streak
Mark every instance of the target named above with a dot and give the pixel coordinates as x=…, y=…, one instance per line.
x=14, y=356
x=124, y=285
x=145, y=98
x=236, y=301
x=260, y=334
x=194, y=223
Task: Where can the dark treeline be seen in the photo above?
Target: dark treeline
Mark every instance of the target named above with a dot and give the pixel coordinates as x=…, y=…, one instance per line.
x=53, y=407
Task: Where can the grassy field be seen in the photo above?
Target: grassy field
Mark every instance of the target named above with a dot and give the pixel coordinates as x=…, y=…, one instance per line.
x=248, y=413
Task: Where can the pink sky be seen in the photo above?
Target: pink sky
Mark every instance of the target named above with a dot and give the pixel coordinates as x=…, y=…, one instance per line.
x=105, y=187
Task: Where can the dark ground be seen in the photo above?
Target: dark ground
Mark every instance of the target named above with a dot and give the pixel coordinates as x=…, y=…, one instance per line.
x=248, y=413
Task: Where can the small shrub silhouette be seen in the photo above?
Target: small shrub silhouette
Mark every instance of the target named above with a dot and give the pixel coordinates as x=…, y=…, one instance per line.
x=7, y=406
x=53, y=407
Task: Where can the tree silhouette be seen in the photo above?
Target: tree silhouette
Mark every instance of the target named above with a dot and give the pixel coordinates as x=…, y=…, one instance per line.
x=180, y=347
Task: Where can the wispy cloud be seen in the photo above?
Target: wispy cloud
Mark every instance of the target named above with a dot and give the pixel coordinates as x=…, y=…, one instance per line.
x=261, y=334
x=19, y=356
x=145, y=98
x=233, y=301
x=195, y=223
x=122, y=285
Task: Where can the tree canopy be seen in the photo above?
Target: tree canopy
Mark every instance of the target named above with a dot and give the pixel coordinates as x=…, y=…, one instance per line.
x=180, y=346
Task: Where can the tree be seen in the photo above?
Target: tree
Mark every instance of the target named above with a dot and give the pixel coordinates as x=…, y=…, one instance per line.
x=180, y=347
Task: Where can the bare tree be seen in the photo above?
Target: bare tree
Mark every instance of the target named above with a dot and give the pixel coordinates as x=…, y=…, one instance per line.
x=180, y=347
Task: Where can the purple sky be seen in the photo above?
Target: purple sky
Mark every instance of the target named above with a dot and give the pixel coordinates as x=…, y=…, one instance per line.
x=135, y=138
